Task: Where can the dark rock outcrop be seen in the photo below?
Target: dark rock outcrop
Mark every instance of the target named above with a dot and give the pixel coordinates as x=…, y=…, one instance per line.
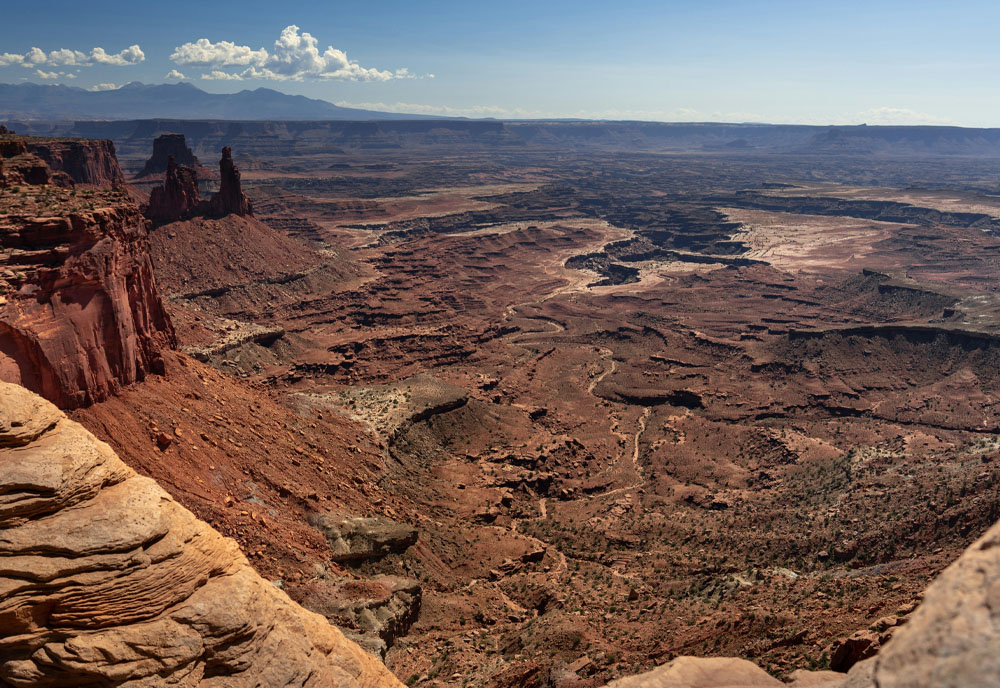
x=106, y=581
x=371, y=612
x=178, y=198
x=167, y=146
x=357, y=539
x=230, y=199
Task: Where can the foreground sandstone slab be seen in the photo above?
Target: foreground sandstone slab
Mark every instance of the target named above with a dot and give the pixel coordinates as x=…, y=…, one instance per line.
x=953, y=639
x=106, y=581
x=702, y=672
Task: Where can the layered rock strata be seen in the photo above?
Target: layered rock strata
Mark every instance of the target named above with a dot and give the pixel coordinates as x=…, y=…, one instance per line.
x=106, y=581
x=355, y=539
x=89, y=162
x=80, y=313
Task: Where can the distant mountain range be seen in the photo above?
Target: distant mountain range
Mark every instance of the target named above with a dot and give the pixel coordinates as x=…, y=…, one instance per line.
x=176, y=101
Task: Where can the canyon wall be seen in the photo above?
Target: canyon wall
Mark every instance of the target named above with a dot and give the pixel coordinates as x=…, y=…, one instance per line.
x=87, y=161
x=80, y=313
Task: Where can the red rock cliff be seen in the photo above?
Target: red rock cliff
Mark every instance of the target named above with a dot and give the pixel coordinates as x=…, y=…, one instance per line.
x=80, y=313
x=87, y=161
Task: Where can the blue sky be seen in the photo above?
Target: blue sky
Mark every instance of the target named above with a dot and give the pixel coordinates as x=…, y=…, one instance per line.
x=777, y=61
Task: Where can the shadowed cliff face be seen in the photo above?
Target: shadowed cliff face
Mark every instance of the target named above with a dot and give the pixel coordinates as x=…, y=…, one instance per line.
x=107, y=581
x=80, y=315
x=90, y=162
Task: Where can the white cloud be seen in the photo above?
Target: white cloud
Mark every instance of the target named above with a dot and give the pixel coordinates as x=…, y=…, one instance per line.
x=64, y=57
x=204, y=53
x=294, y=57
x=104, y=87
x=894, y=115
x=219, y=75
x=445, y=110
x=46, y=75
x=35, y=56
x=130, y=56
x=174, y=74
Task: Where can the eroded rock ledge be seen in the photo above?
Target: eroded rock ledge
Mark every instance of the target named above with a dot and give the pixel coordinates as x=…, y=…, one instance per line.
x=106, y=581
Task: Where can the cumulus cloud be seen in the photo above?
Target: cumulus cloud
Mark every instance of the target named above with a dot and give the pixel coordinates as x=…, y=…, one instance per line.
x=174, y=74
x=64, y=57
x=104, y=87
x=219, y=75
x=204, y=53
x=295, y=56
x=130, y=56
x=42, y=74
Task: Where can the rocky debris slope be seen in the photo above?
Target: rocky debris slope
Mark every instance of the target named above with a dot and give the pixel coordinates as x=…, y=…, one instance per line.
x=107, y=581
x=80, y=313
x=167, y=146
x=951, y=640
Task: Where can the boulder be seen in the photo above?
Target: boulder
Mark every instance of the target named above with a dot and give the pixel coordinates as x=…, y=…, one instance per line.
x=355, y=539
x=860, y=645
x=106, y=581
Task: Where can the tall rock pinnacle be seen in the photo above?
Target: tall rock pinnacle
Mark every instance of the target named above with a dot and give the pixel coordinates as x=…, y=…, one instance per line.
x=230, y=198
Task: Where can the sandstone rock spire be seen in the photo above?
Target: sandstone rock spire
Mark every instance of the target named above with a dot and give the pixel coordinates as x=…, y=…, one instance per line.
x=230, y=198
x=178, y=198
